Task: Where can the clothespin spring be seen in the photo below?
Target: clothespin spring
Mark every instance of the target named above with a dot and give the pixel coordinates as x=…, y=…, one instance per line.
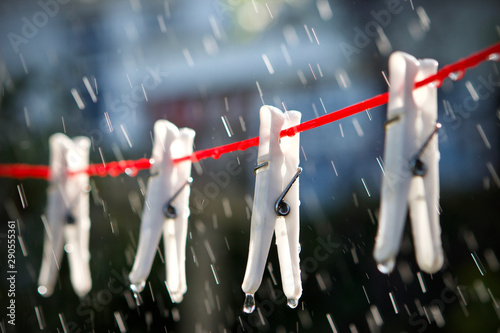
x=70, y=218
x=168, y=210
x=418, y=166
x=282, y=208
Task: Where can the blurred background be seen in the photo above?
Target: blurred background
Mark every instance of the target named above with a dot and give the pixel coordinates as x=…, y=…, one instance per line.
x=109, y=69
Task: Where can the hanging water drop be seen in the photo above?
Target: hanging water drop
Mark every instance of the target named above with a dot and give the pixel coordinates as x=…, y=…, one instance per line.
x=386, y=267
x=42, y=290
x=436, y=84
x=494, y=57
x=249, y=304
x=137, y=287
x=176, y=297
x=132, y=172
x=216, y=155
x=455, y=76
x=292, y=302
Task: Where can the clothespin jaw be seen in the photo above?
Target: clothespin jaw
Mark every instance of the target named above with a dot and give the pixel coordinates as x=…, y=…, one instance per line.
x=423, y=195
x=67, y=215
x=166, y=209
x=175, y=228
x=288, y=226
x=411, y=159
x=277, y=164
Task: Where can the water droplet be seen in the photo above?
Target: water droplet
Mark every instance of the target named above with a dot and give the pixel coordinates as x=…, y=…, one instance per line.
x=138, y=287
x=176, y=297
x=455, y=76
x=132, y=172
x=494, y=57
x=292, y=302
x=42, y=290
x=386, y=267
x=436, y=84
x=249, y=304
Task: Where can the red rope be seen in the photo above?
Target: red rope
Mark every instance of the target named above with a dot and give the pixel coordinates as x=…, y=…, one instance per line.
x=455, y=70
x=458, y=68
x=21, y=171
x=117, y=168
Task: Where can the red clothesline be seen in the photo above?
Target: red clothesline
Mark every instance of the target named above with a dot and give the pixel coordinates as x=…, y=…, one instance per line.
x=455, y=70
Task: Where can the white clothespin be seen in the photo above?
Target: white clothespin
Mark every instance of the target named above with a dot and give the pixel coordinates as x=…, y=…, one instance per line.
x=277, y=170
x=166, y=208
x=411, y=172
x=67, y=215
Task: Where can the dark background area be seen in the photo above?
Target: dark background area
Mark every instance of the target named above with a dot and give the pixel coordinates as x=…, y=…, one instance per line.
x=202, y=60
